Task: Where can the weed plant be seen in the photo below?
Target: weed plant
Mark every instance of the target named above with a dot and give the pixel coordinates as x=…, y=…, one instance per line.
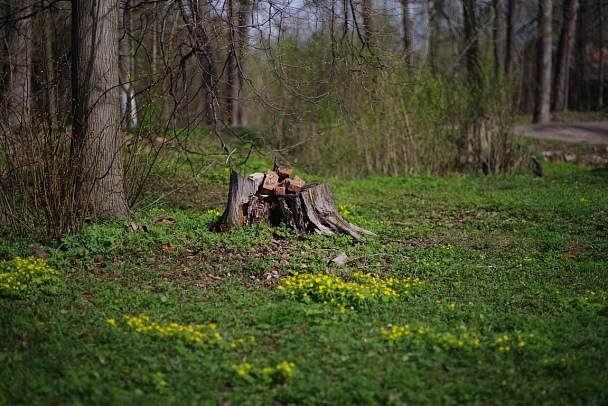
x=506, y=303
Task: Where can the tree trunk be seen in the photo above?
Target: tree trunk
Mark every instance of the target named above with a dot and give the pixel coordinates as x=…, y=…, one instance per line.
x=543, y=94
x=197, y=22
x=564, y=48
x=600, y=98
x=232, y=64
x=128, y=105
x=580, y=92
x=407, y=31
x=499, y=34
x=311, y=207
x=434, y=33
x=511, y=48
x=368, y=22
x=471, y=39
x=96, y=144
x=19, y=47
x=49, y=76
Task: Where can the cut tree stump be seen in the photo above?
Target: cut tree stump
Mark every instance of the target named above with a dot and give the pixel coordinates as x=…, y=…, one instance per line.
x=311, y=207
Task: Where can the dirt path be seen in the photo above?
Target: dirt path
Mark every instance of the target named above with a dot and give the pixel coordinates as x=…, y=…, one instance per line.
x=580, y=133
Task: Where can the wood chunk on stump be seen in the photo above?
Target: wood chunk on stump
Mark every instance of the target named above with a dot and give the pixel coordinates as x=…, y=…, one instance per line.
x=295, y=185
x=271, y=181
x=279, y=190
x=284, y=173
x=311, y=207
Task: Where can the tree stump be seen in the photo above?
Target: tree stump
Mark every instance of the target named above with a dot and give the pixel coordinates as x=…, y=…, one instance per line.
x=277, y=196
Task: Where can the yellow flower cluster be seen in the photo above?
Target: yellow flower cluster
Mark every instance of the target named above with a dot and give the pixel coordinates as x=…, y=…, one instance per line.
x=504, y=343
x=279, y=372
x=591, y=295
x=557, y=360
x=23, y=277
x=459, y=338
x=346, y=209
x=348, y=212
x=363, y=291
x=196, y=333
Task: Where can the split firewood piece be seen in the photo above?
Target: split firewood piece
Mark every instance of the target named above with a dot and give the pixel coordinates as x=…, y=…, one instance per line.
x=295, y=185
x=284, y=173
x=271, y=181
x=282, y=168
x=279, y=190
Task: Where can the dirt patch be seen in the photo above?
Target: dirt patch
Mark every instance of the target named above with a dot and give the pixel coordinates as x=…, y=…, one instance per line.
x=595, y=133
x=584, y=143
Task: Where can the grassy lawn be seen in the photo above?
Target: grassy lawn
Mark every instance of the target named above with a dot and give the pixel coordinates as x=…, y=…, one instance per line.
x=478, y=290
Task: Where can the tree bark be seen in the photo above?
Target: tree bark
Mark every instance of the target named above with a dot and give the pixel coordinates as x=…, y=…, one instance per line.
x=407, y=31
x=600, y=98
x=511, y=48
x=368, y=22
x=499, y=34
x=543, y=94
x=197, y=23
x=580, y=92
x=233, y=82
x=19, y=47
x=128, y=105
x=564, y=48
x=471, y=39
x=96, y=143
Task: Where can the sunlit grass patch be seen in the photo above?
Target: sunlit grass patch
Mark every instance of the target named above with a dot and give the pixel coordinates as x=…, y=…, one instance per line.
x=22, y=278
x=363, y=291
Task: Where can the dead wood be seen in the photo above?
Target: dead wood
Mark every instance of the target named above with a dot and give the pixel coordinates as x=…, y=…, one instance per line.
x=277, y=197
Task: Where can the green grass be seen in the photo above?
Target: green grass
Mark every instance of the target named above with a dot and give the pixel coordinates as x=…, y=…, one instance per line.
x=511, y=305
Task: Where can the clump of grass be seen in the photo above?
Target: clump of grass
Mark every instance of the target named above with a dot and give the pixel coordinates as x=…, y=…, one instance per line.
x=196, y=333
x=24, y=278
x=364, y=291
